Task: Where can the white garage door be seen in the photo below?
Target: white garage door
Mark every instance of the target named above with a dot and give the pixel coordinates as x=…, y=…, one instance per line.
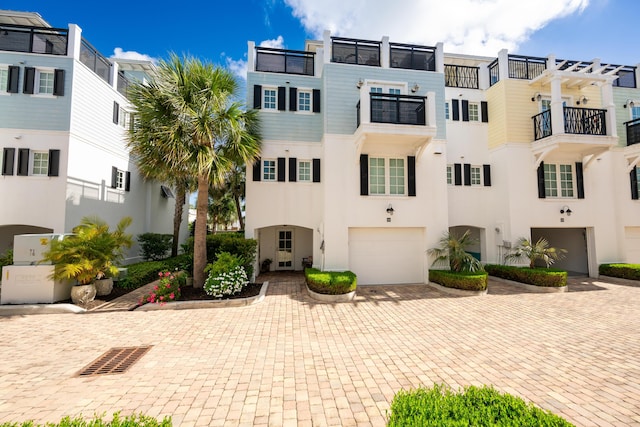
x=632, y=235
x=381, y=256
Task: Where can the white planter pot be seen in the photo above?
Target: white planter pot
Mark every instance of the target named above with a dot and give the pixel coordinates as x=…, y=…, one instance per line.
x=82, y=294
x=104, y=286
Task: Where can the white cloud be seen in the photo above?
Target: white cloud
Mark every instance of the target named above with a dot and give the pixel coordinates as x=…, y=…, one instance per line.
x=277, y=43
x=480, y=27
x=130, y=54
x=237, y=67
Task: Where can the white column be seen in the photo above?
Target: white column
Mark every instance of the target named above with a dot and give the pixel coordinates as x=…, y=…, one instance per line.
x=503, y=64
x=365, y=105
x=606, y=91
x=637, y=75
x=431, y=109
x=319, y=61
x=251, y=56
x=439, y=57
x=385, y=52
x=326, y=37
x=557, y=111
x=551, y=62
x=73, y=41
x=114, y=75
x=483, y=77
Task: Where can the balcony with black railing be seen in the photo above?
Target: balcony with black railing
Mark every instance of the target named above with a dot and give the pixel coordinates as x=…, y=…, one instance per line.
x=633, y=132
x=28, y=39
x=93, y=59
x=412, y=57
x=542, y=125
x=461, y=76
x=526, y=67
x=354, y=51
x=397, y=109
x=577, y=121
x=272, y=60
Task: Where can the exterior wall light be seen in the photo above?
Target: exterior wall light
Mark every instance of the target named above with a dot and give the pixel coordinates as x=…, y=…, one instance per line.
x=390, y=210
x=566, y=209
x=582, y=100
x=536, y=97
x=629, y=103
x=415, y=88
x=360, y=83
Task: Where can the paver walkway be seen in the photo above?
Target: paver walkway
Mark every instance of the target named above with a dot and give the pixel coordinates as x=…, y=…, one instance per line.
x=292, y=361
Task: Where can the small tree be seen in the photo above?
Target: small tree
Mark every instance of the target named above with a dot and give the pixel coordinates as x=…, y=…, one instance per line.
x=533, y=252
x=452, y=250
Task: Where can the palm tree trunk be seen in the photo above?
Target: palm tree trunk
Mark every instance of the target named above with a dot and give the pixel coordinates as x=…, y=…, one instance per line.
x=200, y=232
x=236, y=199
x=177, y=217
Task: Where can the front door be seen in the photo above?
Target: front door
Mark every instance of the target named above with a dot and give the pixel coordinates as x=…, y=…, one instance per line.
x=284, y=252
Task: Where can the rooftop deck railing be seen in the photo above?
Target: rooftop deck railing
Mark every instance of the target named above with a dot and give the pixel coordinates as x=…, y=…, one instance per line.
x=526, y=67
x=45, y=40
x=461, y=76
x=395, y=109
x=354, y=51
x=412, y=57
x=494, y=72
x=90, y=57
x=272, y=60
x=626, y=75
x=633, y=131
x=123, y=83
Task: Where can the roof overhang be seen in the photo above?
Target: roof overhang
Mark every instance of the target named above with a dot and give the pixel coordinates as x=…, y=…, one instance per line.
x=563, y=145
x=576, y=76
x=413, y=138
x=29, y=19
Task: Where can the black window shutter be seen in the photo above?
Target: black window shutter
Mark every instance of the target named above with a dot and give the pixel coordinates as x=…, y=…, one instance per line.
x=256, y=170
x=364, y=175
x=411, y=175
x=486, y=169
x=127, y=181
x=457, y=174
x=23, y=161
x=12, y=81
x=316, y=100
x=116, y=112
x=579, y=180
x=293, y=169
x=541, y=193
x=8, y=158
x=467, y=174
x=282, y=98
x=281, y=168
x=114, y=177
x=29, y=79
x=316, y=170
x=484, y=110
x=58, y=82
x=257, y=96
x=293, y=99
x=455, y=109
x=633, y=175
x=54, y=163
x=465, y=110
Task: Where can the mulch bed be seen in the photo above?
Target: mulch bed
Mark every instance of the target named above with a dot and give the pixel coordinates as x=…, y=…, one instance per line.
x=189, y=293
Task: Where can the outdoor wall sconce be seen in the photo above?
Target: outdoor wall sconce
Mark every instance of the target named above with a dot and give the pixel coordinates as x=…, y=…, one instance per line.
x=566, y=209
x=360, y=83
x=582, y=100
x=390, y=210
x=536, y=97
x=630, y=103
x=415, y=88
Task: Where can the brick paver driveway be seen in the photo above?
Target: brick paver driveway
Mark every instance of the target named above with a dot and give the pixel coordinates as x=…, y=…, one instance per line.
x=290, y=361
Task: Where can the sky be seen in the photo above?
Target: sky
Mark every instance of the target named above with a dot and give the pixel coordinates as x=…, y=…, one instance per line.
x=217, y=31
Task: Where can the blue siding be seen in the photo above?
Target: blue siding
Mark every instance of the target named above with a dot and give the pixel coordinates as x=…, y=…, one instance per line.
x=23, y=111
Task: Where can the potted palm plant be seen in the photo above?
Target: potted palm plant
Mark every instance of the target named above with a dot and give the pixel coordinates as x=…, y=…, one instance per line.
x=89, y=255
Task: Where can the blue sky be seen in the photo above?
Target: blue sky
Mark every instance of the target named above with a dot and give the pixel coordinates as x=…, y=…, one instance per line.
x=218, y=30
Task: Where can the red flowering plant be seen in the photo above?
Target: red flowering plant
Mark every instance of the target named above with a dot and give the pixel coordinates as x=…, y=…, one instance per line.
x=167, y=289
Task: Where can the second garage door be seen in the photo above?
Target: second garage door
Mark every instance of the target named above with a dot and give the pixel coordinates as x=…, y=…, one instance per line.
x=387, y=255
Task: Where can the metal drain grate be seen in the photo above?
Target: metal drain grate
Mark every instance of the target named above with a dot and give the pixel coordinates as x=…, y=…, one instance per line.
x=114, y=361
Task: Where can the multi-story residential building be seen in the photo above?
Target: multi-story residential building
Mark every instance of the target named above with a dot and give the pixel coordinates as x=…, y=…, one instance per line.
x=63, y=123
x=374, y=149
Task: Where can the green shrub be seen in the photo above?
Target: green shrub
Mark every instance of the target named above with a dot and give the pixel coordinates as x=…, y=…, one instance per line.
x=475, y=406
x=6, y=258
x=226, y=275
x=234, y=243
x=167, y=289
x=135, y=420
x=141, y=273
x=623, y=271
x=154, y=246
x=546, y=277
x=468, y=281
x=330, y=282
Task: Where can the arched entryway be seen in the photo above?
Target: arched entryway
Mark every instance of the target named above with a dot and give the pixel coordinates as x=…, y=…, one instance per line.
x=289, y=247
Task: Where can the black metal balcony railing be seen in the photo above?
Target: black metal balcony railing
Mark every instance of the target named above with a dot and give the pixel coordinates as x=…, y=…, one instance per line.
x=412, y=57
x=397, y=109
x=90, y=57
x=633, y=131
x=526, y=67
x=626, y=75
x=272, y=60
x=123, y=83
x=21, y=38
x=494, y=72
x=461, y=76
x=585, y=121
x=353, y=51
x=542, y=125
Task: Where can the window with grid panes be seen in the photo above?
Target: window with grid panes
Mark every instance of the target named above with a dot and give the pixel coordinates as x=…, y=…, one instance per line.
x=269, y=99
x=40, y=165
x=304, y=171
x=268, y=170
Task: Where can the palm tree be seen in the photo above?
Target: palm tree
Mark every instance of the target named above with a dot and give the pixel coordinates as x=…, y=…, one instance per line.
x=538, y=251
x=452, y=250
x=221, y=207
x=235, y=185
x=194, y=126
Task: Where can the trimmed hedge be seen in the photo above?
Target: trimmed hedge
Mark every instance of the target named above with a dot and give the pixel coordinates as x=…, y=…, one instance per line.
x=467, y=281
x=135, y=420
x=475, y=406
x=330, y=282
x=623, y=271
x=154, y=246
x=234, y=243
x=546, y=277
x=141, y=273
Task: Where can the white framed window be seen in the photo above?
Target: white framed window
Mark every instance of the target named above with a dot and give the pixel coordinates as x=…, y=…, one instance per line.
x=558, y=180
x=449, y=174
x=40, y=163
x=44, y=80
x=476, y=175
x=474, y=112
x=269, y=98
x=268, y=170
x=304, y=100
x=304, y=170
x=123, y=118
x=635, y=112
x=387, y=176
x=446, y=110
x=120, y=176
x=4, y=79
